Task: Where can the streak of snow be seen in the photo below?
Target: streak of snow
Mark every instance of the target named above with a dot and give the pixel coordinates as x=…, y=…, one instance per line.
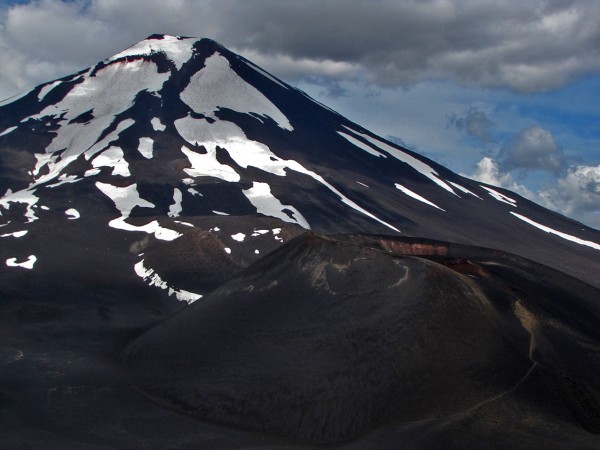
x=464, y=189
x=194, y=192
x=187, y=224
x=72, y=213
x=417, y=196
x=125, y=199
x=361, y=145
x=266, y=74
x=16, y=234
x=218, y=86
x=415, y=163
x=566, y=236
x=362, y=184
x=178, y=50
x=47, y=88
x=12, y=262
x=220, y=213
x=500, y=197
x=238, y=237
x=185, y=296
x=227, y=250
x=175, y=208
x=157, y=124
x=113, y=157
x=65, y=179
x=91, y=172
x=259, y=232
x=8, y=130
x=146, y=147
x=266, y=203
x=153, y=279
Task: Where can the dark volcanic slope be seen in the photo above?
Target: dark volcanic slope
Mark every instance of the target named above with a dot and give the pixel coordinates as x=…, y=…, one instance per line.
x=325, y=341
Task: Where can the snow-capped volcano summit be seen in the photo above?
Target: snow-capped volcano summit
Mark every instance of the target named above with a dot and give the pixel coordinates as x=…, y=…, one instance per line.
x=175, y=128
x=158, y=174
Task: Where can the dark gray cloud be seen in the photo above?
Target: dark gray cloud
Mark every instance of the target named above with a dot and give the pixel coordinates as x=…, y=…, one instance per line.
x=525, y=46
x=533, y=149
x=475, y=123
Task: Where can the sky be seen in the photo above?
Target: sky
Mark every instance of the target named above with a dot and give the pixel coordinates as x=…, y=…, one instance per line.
x=502, y=91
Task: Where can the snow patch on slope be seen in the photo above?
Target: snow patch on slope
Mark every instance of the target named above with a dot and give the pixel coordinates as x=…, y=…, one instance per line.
x=238, y=237
x=47, y=88
x=464, y=189
x=416, y=196
x=500, y=197
x=113, y=157
x=125, y=199
x=28, y=264
x=72, y=213
x=266, y=203
x=177, y=49
x=65, y=179
x=175, y=209
x=24, y=196
x=157, y=124
x=217, y=86
x=566, y=236
x=16, y=234
x=206, y=165
x=8, y=130
x=111, y=91
x=146, y=147
x=360, y=144
x=153, y=279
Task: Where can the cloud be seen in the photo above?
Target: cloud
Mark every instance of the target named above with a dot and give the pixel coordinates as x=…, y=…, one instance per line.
x=576, y=195
x=475, y=123
x=533, y=149
x=524, y=46
x=488, y=171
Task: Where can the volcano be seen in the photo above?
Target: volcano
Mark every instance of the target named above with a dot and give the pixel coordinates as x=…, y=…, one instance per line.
x=197, y=254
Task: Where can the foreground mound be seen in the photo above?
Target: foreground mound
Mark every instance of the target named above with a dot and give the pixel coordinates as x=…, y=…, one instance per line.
x=326, y=340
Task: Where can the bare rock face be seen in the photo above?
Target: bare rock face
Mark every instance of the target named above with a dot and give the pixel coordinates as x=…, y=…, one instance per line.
x=323, y=341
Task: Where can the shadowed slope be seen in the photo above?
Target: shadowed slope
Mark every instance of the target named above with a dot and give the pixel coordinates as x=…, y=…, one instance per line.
x=323, y=341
